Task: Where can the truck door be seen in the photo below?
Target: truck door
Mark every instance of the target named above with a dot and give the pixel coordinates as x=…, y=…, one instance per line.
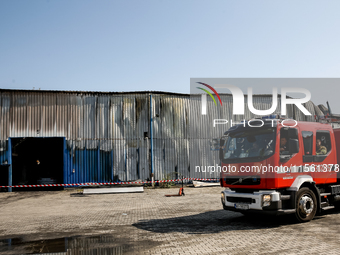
x=323, y=158
x=290, y=158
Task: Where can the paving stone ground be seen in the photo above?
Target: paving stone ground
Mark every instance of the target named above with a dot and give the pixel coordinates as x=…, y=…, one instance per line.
x=150, y=223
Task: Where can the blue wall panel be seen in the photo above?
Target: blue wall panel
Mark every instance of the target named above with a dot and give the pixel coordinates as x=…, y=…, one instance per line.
x=87, y=165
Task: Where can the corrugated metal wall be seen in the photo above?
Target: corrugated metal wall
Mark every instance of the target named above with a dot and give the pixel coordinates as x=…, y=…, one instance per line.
x=105, y=132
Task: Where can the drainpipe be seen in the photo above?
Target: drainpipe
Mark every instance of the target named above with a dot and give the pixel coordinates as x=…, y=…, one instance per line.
x=151, y=142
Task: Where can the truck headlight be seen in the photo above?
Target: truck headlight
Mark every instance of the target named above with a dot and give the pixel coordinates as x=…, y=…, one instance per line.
x=266, y=198
x=222, y=197
x=266, y=204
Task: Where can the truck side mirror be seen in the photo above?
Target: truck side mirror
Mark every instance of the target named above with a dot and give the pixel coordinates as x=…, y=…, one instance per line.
x=221, y=154
x=222, y=145
x=293, y=146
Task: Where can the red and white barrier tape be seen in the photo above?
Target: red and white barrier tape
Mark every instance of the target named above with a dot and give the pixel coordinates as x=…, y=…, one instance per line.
x=102, y=183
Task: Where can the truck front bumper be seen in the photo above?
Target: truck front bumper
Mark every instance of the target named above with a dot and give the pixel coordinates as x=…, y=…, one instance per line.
x=263, y=201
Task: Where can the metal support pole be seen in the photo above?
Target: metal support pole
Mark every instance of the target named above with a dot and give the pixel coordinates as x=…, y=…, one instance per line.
x=9, y=164
x=151, y=142
x=99, y=177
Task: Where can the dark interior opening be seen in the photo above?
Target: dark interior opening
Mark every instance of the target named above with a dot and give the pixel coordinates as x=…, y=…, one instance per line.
x=4, y=176
x=37, y=161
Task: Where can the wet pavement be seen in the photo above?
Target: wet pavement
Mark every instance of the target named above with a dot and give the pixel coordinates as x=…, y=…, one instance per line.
x=71, y=245
x=59, y=222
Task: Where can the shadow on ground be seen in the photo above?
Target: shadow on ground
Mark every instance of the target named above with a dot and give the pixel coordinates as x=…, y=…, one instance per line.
x=215, y=222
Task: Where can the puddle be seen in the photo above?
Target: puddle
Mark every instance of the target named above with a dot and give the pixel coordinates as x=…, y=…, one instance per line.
x=72, y=245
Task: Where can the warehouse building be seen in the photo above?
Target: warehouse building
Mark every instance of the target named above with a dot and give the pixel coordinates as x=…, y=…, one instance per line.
x=75, y=137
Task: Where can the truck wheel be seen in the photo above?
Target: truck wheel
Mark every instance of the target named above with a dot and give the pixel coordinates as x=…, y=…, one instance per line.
x=306, y=205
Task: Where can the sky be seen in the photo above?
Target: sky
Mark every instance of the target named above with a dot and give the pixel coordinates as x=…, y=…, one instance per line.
x=159, y=45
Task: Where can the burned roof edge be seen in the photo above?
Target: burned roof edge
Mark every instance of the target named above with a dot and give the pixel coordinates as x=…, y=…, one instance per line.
x=93, y=92
x=148, y=92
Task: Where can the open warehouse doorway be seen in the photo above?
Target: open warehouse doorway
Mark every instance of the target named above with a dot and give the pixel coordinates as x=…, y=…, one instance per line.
x=37, y=161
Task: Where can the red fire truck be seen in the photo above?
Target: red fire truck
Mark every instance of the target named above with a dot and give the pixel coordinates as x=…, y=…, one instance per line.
x=279, y=166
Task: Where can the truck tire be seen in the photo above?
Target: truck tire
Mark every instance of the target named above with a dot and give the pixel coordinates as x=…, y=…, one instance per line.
x=306, y=205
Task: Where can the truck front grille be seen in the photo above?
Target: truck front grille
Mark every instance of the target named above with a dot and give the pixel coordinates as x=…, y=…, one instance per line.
x=243, y=180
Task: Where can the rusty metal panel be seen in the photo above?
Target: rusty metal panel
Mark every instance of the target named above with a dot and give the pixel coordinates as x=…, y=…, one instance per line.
x=89, y=121
x=166, y=117
x=63, y=117
x=158, y=159
x=48, y=115
x=60, y=116
x=182, y=151
x=81, y=138
x=144, y=168
x=142, y=115
x=156, y=123
x=129, y=120
x=117, y=118
x=131, y=159
x=5, y=116
x=170, y=115
x=19, y=115
x=104, y=123
x=73, y=121
x=179, y=117
x=36, y=118
x=103, y=104
x=119, y=159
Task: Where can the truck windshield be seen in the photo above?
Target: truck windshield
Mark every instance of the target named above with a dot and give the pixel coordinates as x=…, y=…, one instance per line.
x=249, y=145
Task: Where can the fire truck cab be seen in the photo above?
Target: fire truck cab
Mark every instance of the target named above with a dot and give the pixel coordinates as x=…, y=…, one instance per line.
x=278, y=166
